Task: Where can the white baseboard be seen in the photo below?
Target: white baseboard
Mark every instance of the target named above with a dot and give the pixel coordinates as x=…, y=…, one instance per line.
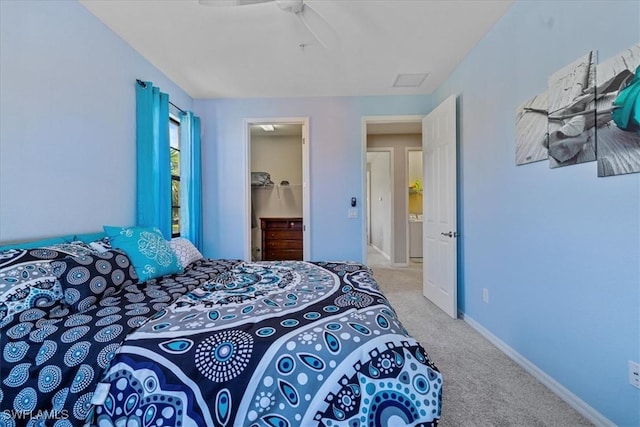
x=574, y=401
x=400, y=264
x=381, y=252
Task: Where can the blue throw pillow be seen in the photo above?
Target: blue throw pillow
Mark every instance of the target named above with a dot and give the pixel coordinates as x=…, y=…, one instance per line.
x=147, y=249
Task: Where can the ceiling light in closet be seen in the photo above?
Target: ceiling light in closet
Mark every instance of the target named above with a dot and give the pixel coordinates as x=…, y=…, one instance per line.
x=267, y=128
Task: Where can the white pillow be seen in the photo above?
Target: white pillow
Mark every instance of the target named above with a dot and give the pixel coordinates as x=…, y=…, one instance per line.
x=185, y=251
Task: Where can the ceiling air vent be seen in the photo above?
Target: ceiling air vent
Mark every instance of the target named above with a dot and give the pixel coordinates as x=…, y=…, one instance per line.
x=409, y=79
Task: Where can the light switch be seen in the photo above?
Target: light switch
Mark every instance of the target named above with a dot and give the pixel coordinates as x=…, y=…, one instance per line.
x=352, y=213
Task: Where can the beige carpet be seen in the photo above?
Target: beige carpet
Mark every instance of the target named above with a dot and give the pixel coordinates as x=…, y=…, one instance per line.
x=482, y=386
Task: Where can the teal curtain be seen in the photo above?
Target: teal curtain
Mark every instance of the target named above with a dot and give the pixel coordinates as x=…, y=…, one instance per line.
x=190, y=179
x=153, y=173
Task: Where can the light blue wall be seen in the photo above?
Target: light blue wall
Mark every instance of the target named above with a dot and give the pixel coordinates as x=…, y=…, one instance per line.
x=67, y=120
x=559, y=250
x=335, y=127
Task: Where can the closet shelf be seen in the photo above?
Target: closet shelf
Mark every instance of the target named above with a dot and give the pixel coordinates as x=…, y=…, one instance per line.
x=276, y=186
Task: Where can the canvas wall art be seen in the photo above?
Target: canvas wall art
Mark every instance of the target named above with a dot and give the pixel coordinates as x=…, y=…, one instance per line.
x=618, y=109
x=590, y=111
x=572, y=113
x=531, y=130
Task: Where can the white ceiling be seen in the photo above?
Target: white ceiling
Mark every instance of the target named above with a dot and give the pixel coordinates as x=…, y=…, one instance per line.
x=255, y=50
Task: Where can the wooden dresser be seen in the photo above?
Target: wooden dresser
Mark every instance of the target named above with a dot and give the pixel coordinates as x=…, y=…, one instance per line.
x=281, y=238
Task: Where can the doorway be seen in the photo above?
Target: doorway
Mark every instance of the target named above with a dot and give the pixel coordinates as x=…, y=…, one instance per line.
x=396, y=135
x=277, y=189
x=438, y=140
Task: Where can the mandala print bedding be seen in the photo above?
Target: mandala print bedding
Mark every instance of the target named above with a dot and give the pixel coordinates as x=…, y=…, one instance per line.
x=53, y=358
x=273, y=344
x=28, y=277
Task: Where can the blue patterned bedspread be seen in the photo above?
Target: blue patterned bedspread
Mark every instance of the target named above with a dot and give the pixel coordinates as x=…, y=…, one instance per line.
x=228, y=343
x=51, y=359
x=274, y=344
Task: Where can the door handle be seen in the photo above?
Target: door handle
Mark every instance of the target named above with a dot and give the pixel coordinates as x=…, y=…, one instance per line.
x=450, y=234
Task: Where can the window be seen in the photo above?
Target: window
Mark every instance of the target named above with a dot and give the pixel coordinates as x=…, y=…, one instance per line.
x=174, y=142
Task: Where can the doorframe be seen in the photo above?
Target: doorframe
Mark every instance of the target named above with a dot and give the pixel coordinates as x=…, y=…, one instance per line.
x=392, y=196
x=406, y=170
x=363, y=160
x=306, y=198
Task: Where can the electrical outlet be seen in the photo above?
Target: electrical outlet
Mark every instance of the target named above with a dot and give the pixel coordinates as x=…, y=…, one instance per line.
x=634, y=374
x=485, y=295
x=352, y=213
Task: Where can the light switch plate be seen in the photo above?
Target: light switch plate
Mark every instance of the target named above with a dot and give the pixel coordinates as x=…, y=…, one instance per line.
x=634, y=374
x=352, y=213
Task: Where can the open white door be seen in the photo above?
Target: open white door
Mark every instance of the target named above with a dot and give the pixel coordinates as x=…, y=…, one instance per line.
x=440, y=284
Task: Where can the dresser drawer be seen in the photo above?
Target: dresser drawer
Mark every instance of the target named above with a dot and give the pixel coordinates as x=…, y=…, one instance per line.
x=282, y=254
x=283, y=244
x=282, y=224
x=282, y=235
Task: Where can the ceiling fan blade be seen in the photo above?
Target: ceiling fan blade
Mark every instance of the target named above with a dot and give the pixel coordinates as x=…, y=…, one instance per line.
x=315, y=23
x=318, y=26
x=227, y=3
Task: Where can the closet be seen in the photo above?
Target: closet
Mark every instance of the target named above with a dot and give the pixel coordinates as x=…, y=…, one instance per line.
x=276, y=192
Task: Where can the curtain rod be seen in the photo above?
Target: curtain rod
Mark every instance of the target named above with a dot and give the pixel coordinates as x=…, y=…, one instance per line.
x=179, y=109
x=144, y=85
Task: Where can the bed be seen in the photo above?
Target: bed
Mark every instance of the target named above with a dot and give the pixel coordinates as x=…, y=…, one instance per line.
x=85, y=341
